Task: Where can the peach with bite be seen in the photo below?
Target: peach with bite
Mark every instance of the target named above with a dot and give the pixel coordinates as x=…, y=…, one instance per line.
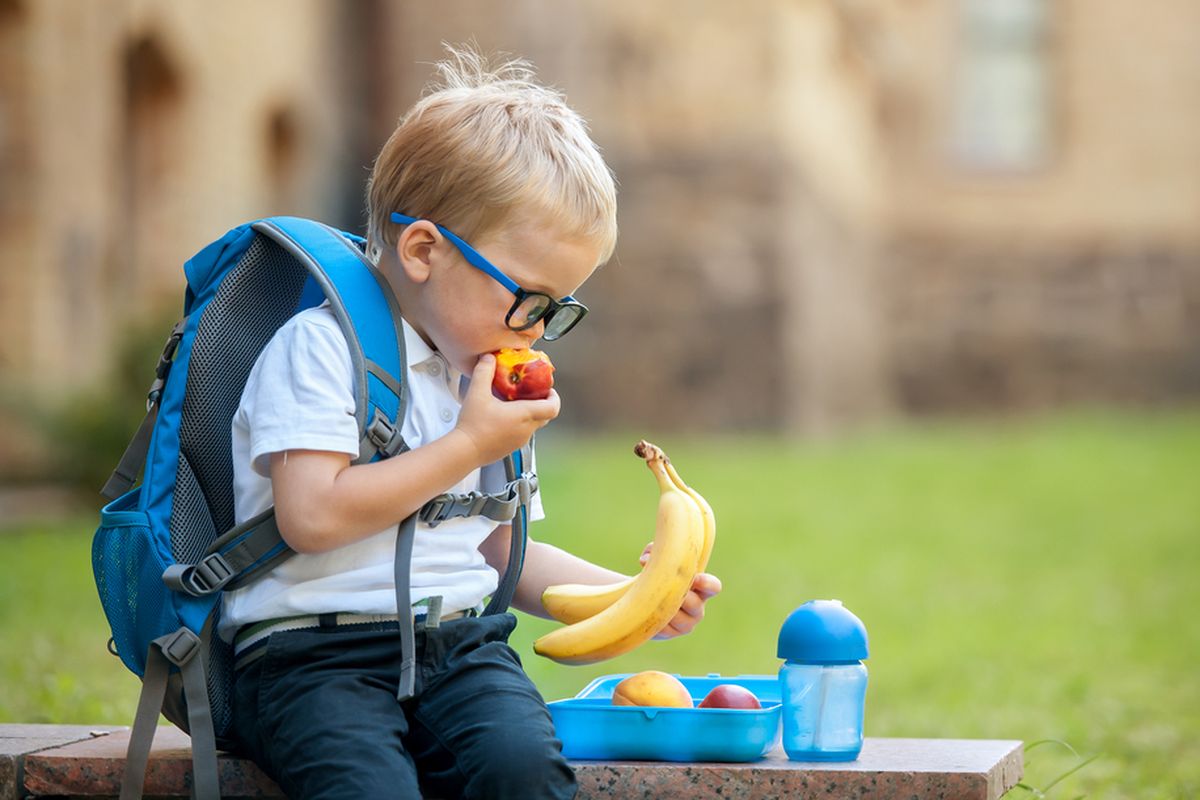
x=522, y=375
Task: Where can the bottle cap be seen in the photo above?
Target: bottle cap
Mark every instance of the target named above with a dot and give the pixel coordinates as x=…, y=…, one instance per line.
x=822, y=632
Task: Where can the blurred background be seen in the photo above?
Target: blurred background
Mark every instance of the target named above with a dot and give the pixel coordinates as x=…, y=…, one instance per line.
x=844, y=226
x=831, y=210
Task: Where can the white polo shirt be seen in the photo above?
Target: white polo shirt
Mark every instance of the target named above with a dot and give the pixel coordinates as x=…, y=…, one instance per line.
x=300, y=396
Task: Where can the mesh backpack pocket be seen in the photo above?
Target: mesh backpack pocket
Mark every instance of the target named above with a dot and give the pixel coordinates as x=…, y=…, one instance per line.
x=128, y=569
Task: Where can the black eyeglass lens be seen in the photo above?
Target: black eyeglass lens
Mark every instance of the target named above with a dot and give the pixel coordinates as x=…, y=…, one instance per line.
x=529, y=310
x=562, y=321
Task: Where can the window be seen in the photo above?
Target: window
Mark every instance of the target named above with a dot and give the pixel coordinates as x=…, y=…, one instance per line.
x=1001, y=109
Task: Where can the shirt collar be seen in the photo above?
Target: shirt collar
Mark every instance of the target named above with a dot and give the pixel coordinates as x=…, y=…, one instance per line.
x=420, y=356
x=415, y=348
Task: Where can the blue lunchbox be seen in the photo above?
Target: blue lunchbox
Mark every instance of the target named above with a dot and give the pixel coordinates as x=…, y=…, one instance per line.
x=591, y=727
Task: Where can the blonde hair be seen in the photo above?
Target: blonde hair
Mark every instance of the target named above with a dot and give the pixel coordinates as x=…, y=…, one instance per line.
x=483, y=145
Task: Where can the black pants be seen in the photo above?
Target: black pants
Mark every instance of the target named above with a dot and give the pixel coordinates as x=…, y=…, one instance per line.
x=319, y=714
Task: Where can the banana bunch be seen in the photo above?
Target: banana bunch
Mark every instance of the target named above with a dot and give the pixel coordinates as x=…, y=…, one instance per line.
x=606, y=621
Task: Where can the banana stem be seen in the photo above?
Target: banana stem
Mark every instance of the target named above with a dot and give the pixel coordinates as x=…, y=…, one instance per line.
x=657, y=461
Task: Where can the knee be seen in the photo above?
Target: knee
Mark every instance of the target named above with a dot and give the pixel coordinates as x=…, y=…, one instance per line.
x=524, y=767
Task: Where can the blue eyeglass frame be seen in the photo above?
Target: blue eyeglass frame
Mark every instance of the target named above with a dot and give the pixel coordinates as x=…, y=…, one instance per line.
x=476, y=259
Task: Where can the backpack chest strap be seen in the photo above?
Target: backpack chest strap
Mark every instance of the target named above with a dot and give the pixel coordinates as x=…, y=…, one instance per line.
x=497, y=506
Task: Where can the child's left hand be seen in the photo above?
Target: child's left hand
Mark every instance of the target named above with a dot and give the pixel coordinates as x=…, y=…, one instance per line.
x=691, y=611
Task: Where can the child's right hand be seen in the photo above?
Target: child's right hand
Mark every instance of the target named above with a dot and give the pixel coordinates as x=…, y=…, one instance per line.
x=498, y=427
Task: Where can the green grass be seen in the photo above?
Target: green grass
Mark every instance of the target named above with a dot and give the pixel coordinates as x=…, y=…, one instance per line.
x=1032, y=580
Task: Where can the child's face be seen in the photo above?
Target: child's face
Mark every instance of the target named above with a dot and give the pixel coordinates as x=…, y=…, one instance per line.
x=462, y=309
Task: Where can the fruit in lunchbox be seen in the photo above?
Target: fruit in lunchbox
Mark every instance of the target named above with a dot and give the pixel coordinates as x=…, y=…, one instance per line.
x=651, y=688
x=522, y=374
x=730, y=695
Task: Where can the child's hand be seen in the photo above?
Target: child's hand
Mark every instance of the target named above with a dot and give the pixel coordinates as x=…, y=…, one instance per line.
x=498, y=427
x=691, y=611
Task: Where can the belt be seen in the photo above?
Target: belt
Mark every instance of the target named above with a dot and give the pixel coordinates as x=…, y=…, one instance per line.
x=250, y=641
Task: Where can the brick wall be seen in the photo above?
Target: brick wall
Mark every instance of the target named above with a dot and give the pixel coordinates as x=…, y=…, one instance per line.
x=990, y=325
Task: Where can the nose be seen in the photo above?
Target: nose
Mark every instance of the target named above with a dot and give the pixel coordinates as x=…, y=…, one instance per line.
x=535, y=331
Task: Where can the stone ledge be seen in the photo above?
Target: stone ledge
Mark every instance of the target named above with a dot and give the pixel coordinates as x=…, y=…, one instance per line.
x=966, y=769
x=17, y=741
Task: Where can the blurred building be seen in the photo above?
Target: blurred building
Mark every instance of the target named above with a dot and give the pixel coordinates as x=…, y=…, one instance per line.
x=133, y=132
x=831, y=210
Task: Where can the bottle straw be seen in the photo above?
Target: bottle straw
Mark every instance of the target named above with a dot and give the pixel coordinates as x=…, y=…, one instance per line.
x=821, y=709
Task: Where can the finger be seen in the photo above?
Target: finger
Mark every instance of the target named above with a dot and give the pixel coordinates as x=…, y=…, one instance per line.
x=692, y=606
x=691, y=611
x=542, y=410
x=706, y=585
x=680, y=625
x=669, y=631
x=481, y=376
x=553, y=405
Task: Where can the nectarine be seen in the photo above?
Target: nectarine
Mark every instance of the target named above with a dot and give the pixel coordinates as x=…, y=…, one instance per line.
x=730, y=695
x=522, y=374
x=652, y=688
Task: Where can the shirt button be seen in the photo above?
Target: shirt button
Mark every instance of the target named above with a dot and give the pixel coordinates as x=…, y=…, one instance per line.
x=435, y=368
x=447, y=415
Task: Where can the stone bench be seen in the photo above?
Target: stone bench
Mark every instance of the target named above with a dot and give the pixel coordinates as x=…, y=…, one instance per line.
x=86, y=762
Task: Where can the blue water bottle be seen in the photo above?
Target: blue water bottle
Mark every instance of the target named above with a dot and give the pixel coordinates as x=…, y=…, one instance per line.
x=823, y=682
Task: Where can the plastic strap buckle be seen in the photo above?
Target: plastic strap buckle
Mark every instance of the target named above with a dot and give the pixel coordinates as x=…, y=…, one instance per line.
x=180, y=647
x=499, y=507
x=210, y=574
x=197, y=580
x=433, y=512
x=445, y=506
x=165, y=359
x=385, y=436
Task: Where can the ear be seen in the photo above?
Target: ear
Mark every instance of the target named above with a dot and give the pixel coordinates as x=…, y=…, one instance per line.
x=417, y=248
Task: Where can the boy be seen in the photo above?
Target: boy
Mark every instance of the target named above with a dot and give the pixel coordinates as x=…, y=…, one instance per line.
x=502, y=162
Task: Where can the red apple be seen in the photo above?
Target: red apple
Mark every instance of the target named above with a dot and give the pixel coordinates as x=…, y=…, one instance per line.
x=522, y=375
x=730, y=695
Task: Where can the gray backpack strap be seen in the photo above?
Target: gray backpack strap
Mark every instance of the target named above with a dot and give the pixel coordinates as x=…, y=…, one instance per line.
x=125, y=475
x=402, y=566
x=181, y=649
x=235, y=558
x=402, y=571
x=514, y=469
x=134, y=457
x=497, y=506
x=145, y=722
x=369, y=316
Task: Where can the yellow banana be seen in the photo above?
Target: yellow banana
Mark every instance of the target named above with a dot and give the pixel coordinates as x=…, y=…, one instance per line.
x=710, y=519
x=654, y=596
x=572, y=602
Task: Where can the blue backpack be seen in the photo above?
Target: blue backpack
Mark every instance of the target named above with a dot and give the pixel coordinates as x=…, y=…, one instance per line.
x=166, y=548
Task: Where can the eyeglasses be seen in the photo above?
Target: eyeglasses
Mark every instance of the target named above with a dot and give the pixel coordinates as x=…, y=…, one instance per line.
x=529, y=308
